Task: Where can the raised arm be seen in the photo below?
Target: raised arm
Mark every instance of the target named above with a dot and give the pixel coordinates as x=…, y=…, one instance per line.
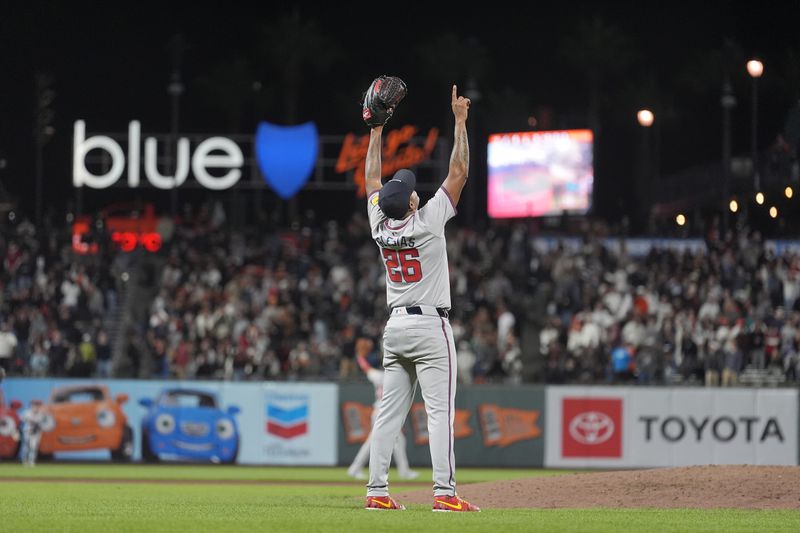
x=363, y=347
x=372, y=171
x=459, y=159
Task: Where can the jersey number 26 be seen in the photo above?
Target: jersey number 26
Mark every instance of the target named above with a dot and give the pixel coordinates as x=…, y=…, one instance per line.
x=403, y=265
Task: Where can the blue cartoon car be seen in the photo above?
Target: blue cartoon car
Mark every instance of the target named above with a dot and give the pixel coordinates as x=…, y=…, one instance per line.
x=188, y=425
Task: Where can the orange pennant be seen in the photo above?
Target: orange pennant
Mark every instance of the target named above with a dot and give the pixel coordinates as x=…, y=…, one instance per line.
x=357, y=419
x=419, y=422
x=504, y=426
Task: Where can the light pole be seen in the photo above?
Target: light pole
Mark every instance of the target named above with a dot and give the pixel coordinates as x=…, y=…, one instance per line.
x=645, y=117
x=43, y=130
x=727, y=101
x=755, y=68
x=177, y=46
x=3, y=165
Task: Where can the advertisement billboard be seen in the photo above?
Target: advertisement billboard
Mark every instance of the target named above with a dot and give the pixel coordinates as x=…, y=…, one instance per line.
x=493, y=425
x=635, y=427
x=540, y=173
x=282, y=157
x=199, y=421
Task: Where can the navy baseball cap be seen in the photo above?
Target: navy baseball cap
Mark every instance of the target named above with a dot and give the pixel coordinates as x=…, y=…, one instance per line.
x=396, y=193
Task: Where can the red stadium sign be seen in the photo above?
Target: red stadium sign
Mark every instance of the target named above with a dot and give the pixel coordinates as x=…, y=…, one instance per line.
x=127, y=232
x=399, y=151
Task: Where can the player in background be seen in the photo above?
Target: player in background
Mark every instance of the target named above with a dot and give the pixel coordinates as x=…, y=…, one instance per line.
x=32, y=421
x=375, y=376
x=418, y=340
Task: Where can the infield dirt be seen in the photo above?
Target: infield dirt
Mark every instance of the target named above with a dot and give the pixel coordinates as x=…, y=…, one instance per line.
x=699, y=487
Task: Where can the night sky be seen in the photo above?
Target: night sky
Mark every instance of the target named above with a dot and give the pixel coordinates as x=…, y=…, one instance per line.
x=112, y=64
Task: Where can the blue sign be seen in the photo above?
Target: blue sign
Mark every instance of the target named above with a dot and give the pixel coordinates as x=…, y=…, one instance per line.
x=286, y=155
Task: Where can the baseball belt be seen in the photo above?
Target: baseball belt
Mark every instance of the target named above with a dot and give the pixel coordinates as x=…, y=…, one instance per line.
x=421, y=310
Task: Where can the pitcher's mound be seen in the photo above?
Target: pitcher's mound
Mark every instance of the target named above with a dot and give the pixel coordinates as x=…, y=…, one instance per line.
x=705, y=487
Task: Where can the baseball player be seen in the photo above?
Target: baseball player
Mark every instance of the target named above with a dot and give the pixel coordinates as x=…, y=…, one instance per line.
x=417, y=341
x=375, y=376
x=32, y=420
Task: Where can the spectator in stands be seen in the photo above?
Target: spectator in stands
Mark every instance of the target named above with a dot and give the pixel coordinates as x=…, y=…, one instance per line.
x=622, y=364
x=40, y=362
x=57, y=353
x=103, y=351
x=8, y=346
x=713, y=362
x=84, y=362
x=511, y=357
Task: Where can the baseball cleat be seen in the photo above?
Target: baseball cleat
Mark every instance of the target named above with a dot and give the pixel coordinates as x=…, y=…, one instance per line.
x=452, y=504
x=383, y=503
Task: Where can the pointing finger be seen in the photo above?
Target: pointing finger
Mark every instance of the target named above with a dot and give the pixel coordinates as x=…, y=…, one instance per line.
x=455, y=96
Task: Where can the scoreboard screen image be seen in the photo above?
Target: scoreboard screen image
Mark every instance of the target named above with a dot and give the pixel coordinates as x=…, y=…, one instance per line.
x=542, y=173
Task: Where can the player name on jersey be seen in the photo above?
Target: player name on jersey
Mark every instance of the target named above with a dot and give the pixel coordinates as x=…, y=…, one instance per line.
x=388, y=241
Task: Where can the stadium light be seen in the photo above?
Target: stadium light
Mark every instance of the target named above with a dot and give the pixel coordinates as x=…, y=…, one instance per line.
x=645, y=118
x=760, y=198
x=773, y=212
x=789, y=192
x=733, y=206
x=755, y=68
x=680, y=219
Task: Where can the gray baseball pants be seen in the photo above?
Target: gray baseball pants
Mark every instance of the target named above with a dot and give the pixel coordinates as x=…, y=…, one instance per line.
x=417, y=348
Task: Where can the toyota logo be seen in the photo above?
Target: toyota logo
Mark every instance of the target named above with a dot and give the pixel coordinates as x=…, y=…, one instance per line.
x=591, y=428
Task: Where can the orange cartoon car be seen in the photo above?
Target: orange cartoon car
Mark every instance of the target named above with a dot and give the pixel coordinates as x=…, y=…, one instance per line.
x=86, y=418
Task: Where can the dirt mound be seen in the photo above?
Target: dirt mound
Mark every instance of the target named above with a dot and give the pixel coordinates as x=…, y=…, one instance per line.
x=702, y=487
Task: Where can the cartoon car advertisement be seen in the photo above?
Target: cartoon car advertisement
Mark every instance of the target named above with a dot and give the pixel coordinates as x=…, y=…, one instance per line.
x=170, y=422
x=9, y=428
x=189, y=425
x=86, y=418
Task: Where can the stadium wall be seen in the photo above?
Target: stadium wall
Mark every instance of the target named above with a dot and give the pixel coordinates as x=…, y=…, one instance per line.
x=279, y=423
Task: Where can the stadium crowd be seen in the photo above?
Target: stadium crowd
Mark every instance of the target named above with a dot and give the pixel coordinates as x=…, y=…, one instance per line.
x=672, y=316
x=291, y=303
x=55, y=308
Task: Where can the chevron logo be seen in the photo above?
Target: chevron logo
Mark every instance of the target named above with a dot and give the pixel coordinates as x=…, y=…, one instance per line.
x=287, y=416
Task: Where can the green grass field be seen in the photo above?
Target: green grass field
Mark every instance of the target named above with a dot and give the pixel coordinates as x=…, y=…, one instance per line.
x=198, y=498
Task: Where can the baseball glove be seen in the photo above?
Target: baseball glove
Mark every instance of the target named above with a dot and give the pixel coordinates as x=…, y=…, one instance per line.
x=381, y=99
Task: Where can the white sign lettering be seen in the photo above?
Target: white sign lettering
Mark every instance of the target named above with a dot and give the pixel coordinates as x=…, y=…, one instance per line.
x=214, y=152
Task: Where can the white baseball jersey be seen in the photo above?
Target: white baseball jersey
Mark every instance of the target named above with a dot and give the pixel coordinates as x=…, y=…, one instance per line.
x=32, y=421
x=414, y=252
